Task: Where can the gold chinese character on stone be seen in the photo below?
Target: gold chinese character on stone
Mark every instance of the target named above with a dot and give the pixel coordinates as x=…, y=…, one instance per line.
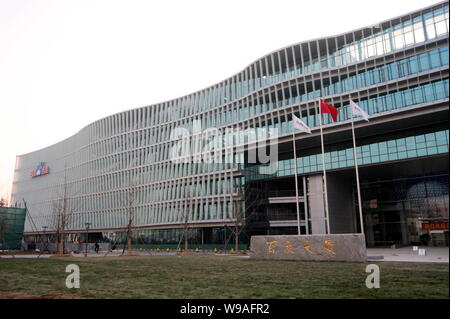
x=271, y=246
x=288, y=247
x=307, y=247
x=328, y=246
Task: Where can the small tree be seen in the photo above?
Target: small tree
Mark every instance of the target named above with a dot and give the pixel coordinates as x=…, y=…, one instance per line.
x=243, y=211
x=61, y=217
x=185, y=234
x=129, y=198
x=187, y=211
x=239, y=216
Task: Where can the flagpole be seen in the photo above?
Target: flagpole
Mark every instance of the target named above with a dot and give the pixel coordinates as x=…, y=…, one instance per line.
x=296, y=181
x=324, y=174
x=305, y=205
x=357, y=174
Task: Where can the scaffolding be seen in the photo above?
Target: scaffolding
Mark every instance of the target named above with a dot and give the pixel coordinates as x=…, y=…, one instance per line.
x=12, y=222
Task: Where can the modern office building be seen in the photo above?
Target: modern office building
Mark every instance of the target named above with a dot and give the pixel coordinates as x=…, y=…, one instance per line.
x=397, y=71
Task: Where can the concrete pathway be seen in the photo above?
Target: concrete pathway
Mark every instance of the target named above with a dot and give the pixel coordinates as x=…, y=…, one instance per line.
x=404, y=254
x=25, y=256
x=118, y=252
x=407, y=254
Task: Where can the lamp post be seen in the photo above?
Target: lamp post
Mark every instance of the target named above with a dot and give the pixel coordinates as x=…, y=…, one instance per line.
x=87, y=237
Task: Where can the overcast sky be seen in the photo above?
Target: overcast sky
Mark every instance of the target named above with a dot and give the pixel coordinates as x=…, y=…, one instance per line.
x=65, y=64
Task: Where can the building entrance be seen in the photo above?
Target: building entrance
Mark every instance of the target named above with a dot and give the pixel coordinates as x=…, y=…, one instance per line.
x=406, y=211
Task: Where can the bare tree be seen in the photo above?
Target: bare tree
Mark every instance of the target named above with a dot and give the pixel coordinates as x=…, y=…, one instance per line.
x=236, y=212
x=243, y=211
x=185, y=233
x=239, y=217
x=61, y=217
x=187, y=212
x=129, y=198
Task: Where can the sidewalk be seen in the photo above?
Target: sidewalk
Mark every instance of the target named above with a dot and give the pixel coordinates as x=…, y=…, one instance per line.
x=406, y=254
x=25, y=256
x=118, y=252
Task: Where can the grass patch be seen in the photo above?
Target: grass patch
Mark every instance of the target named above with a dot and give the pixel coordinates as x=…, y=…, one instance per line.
x=219, y=277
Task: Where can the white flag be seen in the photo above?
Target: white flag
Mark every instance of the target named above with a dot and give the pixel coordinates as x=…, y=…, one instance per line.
x=356, y=109
x=300, y=125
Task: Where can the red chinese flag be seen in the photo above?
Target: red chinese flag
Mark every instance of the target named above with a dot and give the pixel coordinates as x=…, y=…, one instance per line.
x=327, y=108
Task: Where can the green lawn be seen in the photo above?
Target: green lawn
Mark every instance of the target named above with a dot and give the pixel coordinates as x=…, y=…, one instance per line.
x=218, y=277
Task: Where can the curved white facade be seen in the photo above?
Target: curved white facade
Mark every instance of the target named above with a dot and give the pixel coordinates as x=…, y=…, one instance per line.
x=132, y=148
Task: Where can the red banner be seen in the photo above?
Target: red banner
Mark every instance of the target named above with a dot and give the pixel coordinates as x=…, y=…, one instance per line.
x=435, y=226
